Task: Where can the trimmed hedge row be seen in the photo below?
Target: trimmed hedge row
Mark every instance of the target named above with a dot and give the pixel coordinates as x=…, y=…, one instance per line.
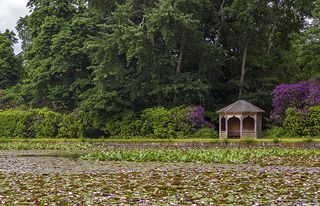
x=39, y=123
x=156, y=122
x=161, y=122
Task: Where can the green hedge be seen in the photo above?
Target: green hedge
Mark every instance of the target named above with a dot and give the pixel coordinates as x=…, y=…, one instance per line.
x=303, y=123
x=38, y=123
x=158, y=122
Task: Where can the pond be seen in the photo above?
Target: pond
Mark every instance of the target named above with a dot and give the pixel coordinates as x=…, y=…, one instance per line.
x=57, y=177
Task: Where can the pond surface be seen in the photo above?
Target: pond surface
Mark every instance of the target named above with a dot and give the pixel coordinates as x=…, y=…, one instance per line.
x=60, y=178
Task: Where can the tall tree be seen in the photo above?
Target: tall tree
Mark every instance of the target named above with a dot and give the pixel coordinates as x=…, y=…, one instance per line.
x=307, y=47
x=56, y=62
x=10, y=65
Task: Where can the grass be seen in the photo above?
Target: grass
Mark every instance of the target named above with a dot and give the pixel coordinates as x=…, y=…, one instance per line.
x=144, y=139
x=237, y=155
x=87, y=144
x=45, y=146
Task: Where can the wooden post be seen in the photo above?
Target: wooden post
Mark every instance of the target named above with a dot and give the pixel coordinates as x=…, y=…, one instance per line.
x=241, y=126
x=255, y=126
x=227, y=126
x=220, y=130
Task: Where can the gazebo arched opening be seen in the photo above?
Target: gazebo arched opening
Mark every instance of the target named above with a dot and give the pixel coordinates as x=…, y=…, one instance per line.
x=223, y=124
x=234, y=127
x=248, y=124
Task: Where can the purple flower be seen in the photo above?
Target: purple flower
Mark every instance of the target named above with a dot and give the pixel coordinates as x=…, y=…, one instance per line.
x=299, y=96
x=196, y=118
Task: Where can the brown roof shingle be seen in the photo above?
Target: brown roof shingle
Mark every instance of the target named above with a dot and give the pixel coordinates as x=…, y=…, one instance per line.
x=241, y=106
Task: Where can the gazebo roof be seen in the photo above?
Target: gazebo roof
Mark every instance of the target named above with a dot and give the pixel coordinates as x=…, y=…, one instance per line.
x=241, y=106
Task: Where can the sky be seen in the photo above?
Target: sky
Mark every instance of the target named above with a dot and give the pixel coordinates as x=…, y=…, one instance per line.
x=10, y=12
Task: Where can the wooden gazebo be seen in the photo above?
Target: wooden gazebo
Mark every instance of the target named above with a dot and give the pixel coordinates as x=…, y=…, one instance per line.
x=240, y=119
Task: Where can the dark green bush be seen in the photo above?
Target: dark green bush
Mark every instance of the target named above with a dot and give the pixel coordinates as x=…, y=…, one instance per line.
x=313, y=122
x=303, y=123
x=156, y=122
x=29, y=123
x=205, y=133
x=160, y=122
x=295, y=122
x=275, y=132
x=126, y=127
x=15, y=123
x=45, y=122
x=71, y=126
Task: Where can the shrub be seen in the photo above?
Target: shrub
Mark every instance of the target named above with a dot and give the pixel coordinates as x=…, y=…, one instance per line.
x=160, y=122
x=156, y=122
x=300, y=96
x=275, y=132
x=205, y=133
x=15, y=123
x=45, y=122
x=294, y=122
x=303, y=122
x=71, y=126
x=196, y=118
x=125, y=127
x=29, y=123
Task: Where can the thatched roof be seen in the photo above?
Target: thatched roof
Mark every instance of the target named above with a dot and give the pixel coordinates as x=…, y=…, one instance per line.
x=241, y=106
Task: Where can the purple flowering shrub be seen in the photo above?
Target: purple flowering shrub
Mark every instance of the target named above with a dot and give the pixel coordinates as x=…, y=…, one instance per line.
x=176, y=122
x=196, y=118
x=299, y=96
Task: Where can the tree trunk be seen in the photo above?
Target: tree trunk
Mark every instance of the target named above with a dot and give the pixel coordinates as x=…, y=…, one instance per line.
x=270, y=40
x=178, y=70
x=180, y=60
x=243, y=69
x=221, y=20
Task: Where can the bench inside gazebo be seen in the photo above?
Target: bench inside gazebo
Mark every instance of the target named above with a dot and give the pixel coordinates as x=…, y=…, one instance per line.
x=240, y=119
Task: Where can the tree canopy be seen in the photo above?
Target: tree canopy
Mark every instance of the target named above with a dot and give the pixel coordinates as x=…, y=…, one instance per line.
x=108, y=58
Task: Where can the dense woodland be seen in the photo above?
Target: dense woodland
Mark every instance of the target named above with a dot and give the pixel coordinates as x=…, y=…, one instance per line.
x=110, y=58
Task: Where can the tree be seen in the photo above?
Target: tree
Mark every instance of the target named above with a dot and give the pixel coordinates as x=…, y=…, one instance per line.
x=56, y=62
x=10, y=65
x=308, y=47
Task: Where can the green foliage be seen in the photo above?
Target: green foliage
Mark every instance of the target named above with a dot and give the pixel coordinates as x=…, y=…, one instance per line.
x=307, y=47
x=294, y=122
x=29, y=123
x=56, y=62
x=16, y=123
x=303, y=123
x=108, y=58
x=275, y=132
x=206, y=133
x=71, y=126
x=45, y=123
x=40, y=123
x=10, y=65
x=26, y=145
x=160, y=122
x=313, y=121
x=126, y=127
x=237, y=156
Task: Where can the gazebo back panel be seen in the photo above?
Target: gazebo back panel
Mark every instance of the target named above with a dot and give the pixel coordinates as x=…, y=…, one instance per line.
x=234, y=127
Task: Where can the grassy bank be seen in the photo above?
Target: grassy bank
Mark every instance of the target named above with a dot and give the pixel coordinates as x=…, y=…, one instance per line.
x=238, y=155
x=144, y=143
x=144, y=139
